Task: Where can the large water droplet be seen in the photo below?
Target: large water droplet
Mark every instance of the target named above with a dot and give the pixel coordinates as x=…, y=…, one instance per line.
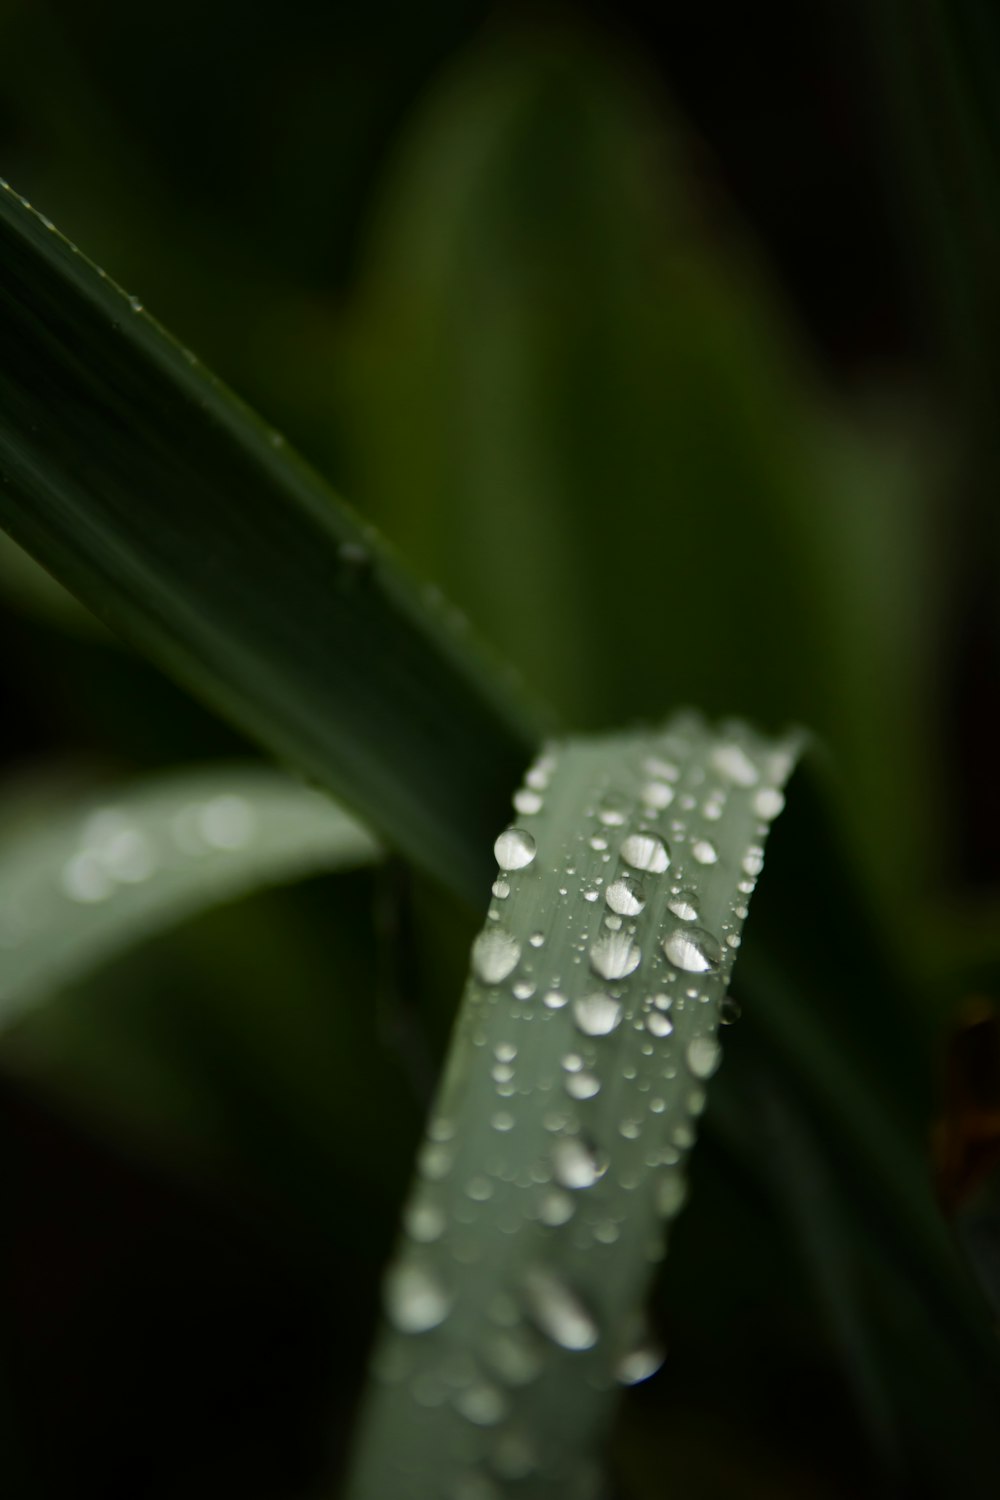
x=614, y=955
x=415, y=1301
x=684, y=905
x=514, y=849
x=646, y=852
x=494, y=955
x=625, y=896
x=692, y=949
x=703, y=1056
x=597, y=1015
x=558, y=1312
x=576, y=1164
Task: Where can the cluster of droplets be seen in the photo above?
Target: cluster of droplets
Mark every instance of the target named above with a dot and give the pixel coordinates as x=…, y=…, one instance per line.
x=625, y=1052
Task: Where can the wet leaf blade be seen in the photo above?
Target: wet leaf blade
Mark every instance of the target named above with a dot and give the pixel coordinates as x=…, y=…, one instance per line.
x=180, y=519
x=96, y=877
x=554, y=1156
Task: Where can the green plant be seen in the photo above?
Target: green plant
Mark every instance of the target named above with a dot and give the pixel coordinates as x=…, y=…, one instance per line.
x=585, y=1044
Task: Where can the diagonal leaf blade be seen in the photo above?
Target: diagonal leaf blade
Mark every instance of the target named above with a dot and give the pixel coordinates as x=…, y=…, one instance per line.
x=170, y=509
x=103, y=874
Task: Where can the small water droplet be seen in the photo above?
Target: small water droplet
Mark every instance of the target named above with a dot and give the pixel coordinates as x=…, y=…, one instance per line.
x=576, y=1163
x=424, y=1222
x=495, y=954
x=612, y=812
x=554, y=999
x=503, y=1120
x=226, y=822
x=556, y=1208
x=753, y=861
x=657, y=1024
x=597, y=1015
x=684, y=905
x=671, y=1192
x=733, y=762
x=729, y=1011
x=768, y=802
x=639, y=1363
x=646, y=852
x=527, y=802
x=657, y=794
x=704, y=851
x=625, y=896
x=514, y=849
x=501, y=889
x=692, y=949
x=415, y=1301
x=135, y=303
x=481, y=1404
x=583, y=1086
x=703, y=1056
x=558, y=1312
x=537, y=939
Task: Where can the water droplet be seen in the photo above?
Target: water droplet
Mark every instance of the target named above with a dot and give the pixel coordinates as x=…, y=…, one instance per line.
x=692, y=949
x=684, y=905
x=503, y=1120
x=703, y=1056
x=704, y=851
x=576, y=1163
x=495, y=954
x=135, y=303
x=514, y=849
x=128, y=856
x=501, y=889
x=527, y=802
x=415, y=1301
x=657, y=794
x=479, y=1189
x=558, y=1312
x=537, y=939
x=435, y=1160
x=481, y=1404
x=597, y=1015
x=424, y=1222
x=537, y=778
x=556, y=1208
x=671, y=1191
x=554, y=1000
x=768, y=802
x=625, y=896
x=614, y=955
x=657, y=1024
x=644, y=851
x=733, y=762
x=613, y=812
x=583, y=1086
x=639, y=1363
x=85, y=879
x=515, y=1357
x=226, y=822
x=753, y=861
x=729, y=1011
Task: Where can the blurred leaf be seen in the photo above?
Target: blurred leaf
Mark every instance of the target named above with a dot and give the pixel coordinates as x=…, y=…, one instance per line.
x=176, y=515
x=86, y=881
x=573, y=396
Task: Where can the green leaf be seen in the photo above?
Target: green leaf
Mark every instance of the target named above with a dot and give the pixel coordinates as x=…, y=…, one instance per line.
x=187, y=525
x=555, y=1154
x=91, y=879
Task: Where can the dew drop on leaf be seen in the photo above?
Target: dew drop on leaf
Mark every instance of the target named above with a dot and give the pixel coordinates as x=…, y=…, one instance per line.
x=597, y=1015
x=494, y=955
x=692, y=949
x=514, y=849
x=415, y=1301
x=646, y=852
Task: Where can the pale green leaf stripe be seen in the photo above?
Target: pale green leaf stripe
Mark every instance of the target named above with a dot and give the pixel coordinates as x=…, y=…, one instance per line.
x=87, y=881
x=555, y=1154
x=188, y=526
